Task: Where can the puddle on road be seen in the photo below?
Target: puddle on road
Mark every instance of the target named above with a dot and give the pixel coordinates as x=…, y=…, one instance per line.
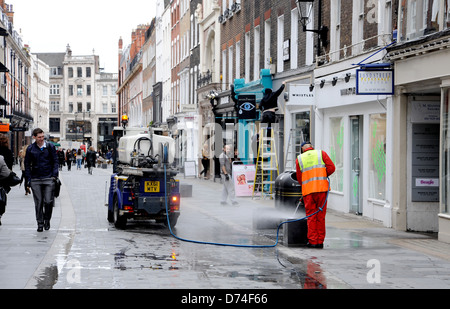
x=48, y=278
x=210, y=262
x=124, y=261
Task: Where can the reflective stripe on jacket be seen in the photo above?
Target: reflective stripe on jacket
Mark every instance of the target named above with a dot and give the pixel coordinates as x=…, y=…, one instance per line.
x=314, y=172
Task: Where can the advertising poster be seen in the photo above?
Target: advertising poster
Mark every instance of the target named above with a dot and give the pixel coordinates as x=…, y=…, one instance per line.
x=243, y=177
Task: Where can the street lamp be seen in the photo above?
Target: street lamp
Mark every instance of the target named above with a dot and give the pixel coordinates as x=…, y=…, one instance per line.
x=305, y=15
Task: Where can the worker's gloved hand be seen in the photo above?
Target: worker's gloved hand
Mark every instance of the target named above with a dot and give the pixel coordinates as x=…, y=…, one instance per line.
x=227, y=177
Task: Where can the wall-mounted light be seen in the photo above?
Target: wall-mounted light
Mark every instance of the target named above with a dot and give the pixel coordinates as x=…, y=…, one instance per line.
x=311, y=87
x=334, y=81
x=305, y=19
x=347, y=77
x=322, y=83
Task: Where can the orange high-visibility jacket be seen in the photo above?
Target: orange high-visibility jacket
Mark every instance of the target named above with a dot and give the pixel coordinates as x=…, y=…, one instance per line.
x=314, y=172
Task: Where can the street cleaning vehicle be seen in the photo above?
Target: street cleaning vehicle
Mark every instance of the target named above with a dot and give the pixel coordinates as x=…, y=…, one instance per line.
x=143, y=186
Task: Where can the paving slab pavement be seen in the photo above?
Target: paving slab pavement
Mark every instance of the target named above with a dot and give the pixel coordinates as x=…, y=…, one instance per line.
x=358, y=252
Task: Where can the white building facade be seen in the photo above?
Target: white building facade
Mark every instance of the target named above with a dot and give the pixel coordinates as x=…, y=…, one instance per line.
x=355, y=129
x=40, y=90
x=163, y=58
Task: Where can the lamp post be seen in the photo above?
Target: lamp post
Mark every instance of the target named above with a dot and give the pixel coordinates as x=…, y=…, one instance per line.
x=305, y=15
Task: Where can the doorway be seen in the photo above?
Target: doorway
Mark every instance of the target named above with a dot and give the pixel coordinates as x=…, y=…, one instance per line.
x=356, y=126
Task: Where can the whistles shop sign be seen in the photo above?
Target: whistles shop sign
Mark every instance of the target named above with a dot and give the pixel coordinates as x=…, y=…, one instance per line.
x=375, y=82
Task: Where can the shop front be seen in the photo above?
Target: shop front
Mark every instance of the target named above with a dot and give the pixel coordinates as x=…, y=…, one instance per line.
x=354, y=130
x=420, y=118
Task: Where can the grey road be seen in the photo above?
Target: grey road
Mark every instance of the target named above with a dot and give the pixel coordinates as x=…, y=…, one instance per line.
x=89, y=252
x=83, y=250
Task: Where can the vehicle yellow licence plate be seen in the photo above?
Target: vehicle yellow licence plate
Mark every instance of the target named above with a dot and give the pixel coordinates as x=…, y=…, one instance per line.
x=152, y=186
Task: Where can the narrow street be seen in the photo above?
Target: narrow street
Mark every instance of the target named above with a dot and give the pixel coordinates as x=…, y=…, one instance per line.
x=89, y=252
x=82, y=250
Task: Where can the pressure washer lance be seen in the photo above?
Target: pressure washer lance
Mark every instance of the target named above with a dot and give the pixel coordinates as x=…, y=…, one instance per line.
x=298, y=205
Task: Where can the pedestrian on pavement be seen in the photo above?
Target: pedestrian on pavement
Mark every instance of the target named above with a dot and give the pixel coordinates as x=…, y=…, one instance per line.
x=41, y=170
x=4, y=174
x=91, y=157
x=205, y=161
x=5, y=151
x=313, y=169
x=69, y=159
x=61, y=158
x=269, y=105
x=225, y=160
x=79, y=159
x=23, y=178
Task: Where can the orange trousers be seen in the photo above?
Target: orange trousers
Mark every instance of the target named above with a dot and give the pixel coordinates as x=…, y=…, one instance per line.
x=316, y=223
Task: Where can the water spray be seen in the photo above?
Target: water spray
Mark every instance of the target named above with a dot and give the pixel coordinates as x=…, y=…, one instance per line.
x=236, y=245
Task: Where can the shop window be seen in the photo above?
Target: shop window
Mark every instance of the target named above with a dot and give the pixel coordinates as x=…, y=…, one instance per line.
x=377, y=155
x=337, y=153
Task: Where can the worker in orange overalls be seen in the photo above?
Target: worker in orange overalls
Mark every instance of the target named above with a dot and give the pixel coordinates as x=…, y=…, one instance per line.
x=313, y=168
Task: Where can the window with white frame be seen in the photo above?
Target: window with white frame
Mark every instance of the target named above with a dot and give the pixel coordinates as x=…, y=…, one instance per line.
x=247, y=57
x=421, y=17
x=280, y=41
x=358, y=27
x=54, y=106
x=267, y=37
x=54, y=89
x=79, y=90
x=294, y=39
x=335, y=31
x=309, y=46
x=256, y=59
x=224, y=68
x=192, y=31
x=230, y=65
x=238, y=59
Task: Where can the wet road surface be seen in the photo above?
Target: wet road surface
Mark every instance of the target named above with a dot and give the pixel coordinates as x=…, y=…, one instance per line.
x=94, y=254
x=82, y=250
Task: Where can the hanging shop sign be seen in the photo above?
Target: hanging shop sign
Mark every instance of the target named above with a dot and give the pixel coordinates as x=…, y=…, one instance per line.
x=247, y=106
x=374, y=82
x=4, y=127
x=300, y=95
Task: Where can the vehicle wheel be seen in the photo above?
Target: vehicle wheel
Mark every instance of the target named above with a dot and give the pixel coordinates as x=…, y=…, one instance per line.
x=110, y=216
x=119, y=221
x=173, y=218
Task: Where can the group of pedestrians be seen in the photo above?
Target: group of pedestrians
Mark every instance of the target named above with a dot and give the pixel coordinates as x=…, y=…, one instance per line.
x=70, y=157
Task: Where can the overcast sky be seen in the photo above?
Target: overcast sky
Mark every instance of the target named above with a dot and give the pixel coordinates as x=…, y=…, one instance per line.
x=49, y=25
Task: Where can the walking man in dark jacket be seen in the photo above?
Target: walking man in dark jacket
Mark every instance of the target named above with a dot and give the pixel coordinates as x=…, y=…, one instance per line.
x=41, y=170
